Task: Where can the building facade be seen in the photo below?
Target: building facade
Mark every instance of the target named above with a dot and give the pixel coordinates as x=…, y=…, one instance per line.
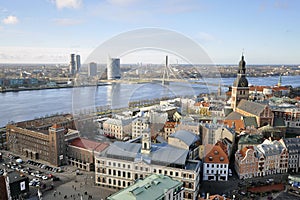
x=118, y=128
x=213, y=132
x=40, y=139
x=293, y=147
x=81, y=153
x=246, y=162
x=270, y=157
x=138, y=126
x=121, y=164
x=215, y=164
x=262, y=112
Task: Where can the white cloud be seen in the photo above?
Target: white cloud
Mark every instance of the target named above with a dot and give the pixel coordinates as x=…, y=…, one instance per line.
x=68, y=4
x=10, y=20
x=67, y=21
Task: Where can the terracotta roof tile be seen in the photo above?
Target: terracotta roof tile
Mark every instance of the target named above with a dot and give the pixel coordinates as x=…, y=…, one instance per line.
x=170, y=124
x=244, y=150
x=89, y=144
x=215, y=154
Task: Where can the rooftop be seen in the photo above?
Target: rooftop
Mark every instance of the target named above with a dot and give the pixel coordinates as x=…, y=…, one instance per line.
x=251, y=107
x=187, y=137
x=161, y=154
x=215, y=154
x=15, y=177
x=153, y=187
x=89, y=144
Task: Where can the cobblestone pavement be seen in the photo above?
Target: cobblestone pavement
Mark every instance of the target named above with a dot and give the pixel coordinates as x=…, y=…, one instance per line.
x=80, y=187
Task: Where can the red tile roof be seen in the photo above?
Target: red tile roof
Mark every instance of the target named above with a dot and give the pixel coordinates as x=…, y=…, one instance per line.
x=202, y=104
x=279, y=88
x=238, y=123
x=170, y=124
x=215, y=154
x=258, y=88
x=56, y=126
x=89, y=144
x=244, y=150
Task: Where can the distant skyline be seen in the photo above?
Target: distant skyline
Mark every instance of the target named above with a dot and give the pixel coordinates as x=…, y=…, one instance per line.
x=47, y=31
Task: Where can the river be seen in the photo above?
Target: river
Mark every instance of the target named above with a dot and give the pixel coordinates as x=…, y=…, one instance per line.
x=25, y=105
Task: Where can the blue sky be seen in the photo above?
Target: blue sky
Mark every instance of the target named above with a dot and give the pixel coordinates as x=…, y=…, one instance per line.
x=48, y=30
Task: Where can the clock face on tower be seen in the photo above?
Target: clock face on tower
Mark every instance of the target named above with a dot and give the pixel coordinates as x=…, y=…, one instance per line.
x=243, y=82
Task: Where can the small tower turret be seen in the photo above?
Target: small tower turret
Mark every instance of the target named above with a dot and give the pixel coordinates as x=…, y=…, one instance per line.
x=146, y=142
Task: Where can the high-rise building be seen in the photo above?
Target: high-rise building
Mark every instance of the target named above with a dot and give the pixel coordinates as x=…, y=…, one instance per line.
x=78, y=63
x=72, y=64
x=113, y=69
x=240, y=88
x=92, y=69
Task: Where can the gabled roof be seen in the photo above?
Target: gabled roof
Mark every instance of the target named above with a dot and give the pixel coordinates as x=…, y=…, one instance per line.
x=168, y=154
x=122, y=149
x=292, y=144
x=89, y=144
x=270, y=148
x=163, y=154
x=250, y=121
x=251, y=107
x=234, y=116
x=215, y=154
x=187, y=137
x=244, y=150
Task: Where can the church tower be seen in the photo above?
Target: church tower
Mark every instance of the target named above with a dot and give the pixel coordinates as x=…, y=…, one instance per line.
x=240, y=88
x=146, y=142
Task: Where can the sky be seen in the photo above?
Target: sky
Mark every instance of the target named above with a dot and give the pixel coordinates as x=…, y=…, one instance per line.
x=47, y=31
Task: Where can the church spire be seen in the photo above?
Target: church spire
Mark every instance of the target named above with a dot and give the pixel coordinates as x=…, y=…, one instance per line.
x=242, y=65
x=279, y=81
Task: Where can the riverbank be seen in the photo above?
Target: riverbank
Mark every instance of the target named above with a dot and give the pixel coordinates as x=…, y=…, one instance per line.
x=19, y=89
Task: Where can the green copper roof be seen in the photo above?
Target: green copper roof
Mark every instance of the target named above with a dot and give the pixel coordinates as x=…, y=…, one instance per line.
x=152, y=187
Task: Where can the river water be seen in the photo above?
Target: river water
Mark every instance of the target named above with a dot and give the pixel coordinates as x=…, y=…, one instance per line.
x=25, y=105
